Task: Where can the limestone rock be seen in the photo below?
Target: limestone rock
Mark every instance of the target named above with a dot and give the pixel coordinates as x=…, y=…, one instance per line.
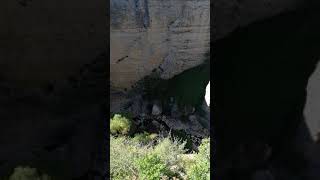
x=154, y=35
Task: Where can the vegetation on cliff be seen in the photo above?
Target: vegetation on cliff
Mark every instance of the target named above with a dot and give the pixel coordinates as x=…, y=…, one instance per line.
x=147, y=156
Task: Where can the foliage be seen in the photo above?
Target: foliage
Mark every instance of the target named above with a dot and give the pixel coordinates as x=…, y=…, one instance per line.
x=120, y=125
x=200, y=169
x=123, y=154
x=204, y=149
x=169, y=149
x=145, y=138
x=139, y=158
x=151, y=167
x=27, y=173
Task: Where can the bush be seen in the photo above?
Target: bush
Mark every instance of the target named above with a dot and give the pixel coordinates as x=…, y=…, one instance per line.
x=123, y=154
x=200, y=169
x=145, y=138
x=151, y=167
x=27, y=173
x=135, y=158
x=120, y=125
x=204, y=149
x=168, y=150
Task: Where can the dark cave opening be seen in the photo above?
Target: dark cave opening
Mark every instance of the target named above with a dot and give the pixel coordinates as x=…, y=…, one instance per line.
x=260, y=75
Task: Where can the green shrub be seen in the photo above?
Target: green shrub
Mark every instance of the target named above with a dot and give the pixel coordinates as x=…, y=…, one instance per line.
x=136, y=158
x=151, y=167
x=145, y=138
x=200, y=169
x=27, y=173
x=123, y=154
x=169, y=150
x=204, y=149
x=120, y=125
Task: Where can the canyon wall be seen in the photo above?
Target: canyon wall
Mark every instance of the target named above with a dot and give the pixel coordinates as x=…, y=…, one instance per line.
x=172, y=36
x=154, y=35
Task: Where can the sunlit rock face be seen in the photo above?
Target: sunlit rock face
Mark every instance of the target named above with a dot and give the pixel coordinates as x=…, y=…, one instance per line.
x=311, y=111
x=309, y=134
x=172, y=36
x=154, y=35
x=207, y=96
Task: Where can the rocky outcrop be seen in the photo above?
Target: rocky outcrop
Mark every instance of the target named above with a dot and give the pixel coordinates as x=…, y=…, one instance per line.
x=154, y=35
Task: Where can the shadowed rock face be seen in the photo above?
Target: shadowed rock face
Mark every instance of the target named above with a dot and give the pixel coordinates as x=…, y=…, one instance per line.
x=53, y=70
x=60, y=131
x=155, y=35
x=261, y=74
x=233, y=14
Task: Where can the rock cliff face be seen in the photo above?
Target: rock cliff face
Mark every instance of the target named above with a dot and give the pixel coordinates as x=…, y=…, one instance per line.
x=172, y=36
x=154, y=35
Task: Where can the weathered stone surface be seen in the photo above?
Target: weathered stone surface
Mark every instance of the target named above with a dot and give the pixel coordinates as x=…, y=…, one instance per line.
x=172, y=36
x=166, y=36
